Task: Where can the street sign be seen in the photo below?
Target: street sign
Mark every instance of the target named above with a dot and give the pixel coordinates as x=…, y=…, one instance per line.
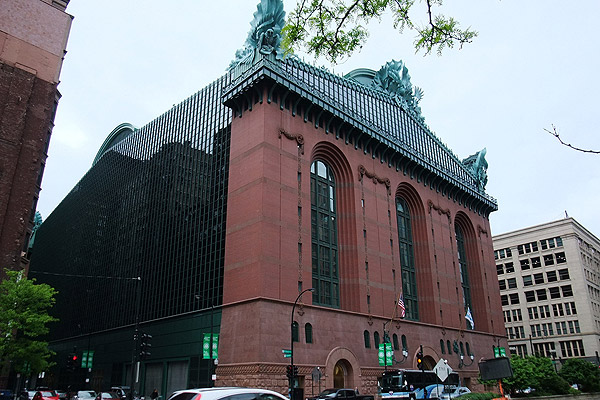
x=389, y=354
x=316, y=374
x=87, y=358
x=206, y=353
x=286, y=353
x=442, y=369
x=385, y=354
x=499, y=352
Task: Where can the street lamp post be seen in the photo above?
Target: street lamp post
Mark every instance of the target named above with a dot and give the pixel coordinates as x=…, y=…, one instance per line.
x=291, y=380
x=211, y=361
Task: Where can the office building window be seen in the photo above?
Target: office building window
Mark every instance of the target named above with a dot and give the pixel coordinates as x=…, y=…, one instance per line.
x=563, y=274
x=567, y=291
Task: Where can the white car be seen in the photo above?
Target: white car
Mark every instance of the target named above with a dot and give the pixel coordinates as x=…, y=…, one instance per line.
x=226, y=393
x=454, y=392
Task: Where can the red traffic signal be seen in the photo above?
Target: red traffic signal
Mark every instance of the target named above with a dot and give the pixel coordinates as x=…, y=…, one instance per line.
x=74, y=357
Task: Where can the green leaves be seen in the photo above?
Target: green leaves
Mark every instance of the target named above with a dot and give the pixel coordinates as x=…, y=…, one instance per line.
x=336, y=28
x=537, y=373
x=24, y=317
x=582, y=372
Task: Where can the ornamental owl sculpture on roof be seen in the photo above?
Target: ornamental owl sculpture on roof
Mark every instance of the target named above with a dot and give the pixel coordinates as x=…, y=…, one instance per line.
x=393, y=77
x=264, y=37
x=478, y=166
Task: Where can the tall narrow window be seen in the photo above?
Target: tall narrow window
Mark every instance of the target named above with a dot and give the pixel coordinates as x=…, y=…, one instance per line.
x=325, y=275
x=464, y=274
x=295, y=332
x=407, y=259
x=308, y=333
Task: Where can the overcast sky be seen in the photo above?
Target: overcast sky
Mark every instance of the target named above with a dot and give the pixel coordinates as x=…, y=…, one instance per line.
x=535, y=63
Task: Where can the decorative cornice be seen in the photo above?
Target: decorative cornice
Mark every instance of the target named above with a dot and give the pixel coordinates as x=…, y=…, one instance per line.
x=376, y=179
x=439, y=209
x=297, y=137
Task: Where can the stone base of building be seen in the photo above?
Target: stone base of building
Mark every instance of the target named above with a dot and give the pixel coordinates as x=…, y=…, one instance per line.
x=273, y=377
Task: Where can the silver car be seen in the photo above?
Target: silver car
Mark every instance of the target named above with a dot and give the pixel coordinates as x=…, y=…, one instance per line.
x=226, y=393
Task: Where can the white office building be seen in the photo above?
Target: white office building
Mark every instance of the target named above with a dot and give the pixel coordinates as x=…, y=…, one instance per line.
x=549, y=285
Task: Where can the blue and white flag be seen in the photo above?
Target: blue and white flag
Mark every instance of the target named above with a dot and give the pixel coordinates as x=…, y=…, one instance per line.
x=469, y=318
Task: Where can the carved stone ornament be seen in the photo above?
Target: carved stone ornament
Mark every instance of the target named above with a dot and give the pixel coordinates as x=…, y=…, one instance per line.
x=478, y=166
x=393, y=77
x=264, y=37
x=480, y=230
x=439, y=209
x=297, y=137
x=362, y=171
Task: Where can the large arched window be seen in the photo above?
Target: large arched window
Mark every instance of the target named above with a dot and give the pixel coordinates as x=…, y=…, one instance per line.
x=407, y=259
x=325, y=274
x=464, y=273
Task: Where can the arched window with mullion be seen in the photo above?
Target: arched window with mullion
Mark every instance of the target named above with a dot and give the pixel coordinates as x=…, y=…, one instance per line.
x=325, y=274
x=464, y=272
x=407, y=259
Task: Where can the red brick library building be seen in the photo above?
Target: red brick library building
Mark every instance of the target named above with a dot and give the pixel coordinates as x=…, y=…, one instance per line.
x=278, y=178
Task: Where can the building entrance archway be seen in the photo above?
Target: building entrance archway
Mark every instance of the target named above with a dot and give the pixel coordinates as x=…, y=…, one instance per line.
x=428, y=363
x=343, y=369
x=342, y=373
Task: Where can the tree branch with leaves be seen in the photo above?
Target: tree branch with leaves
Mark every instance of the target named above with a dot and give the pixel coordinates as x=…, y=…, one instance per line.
x=336, y=28
x=24, y=317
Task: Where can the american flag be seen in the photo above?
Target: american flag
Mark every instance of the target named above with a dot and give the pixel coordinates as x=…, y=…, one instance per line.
x=401, y=305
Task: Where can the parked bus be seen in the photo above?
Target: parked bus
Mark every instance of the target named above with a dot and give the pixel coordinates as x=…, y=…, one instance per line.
x=402, y=384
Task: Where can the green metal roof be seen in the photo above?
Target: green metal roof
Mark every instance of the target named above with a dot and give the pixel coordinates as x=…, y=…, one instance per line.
x=372, y=120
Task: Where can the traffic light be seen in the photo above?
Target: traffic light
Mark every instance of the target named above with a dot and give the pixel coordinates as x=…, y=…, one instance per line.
x=72, y=361
x=288, y=371
x=145, y=345
x=295, y=370
x=420, y=359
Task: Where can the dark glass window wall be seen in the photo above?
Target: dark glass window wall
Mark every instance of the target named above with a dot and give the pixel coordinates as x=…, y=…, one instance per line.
x=152, y=206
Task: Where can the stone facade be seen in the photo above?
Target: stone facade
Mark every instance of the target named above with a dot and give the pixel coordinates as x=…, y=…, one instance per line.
x=268, y=257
